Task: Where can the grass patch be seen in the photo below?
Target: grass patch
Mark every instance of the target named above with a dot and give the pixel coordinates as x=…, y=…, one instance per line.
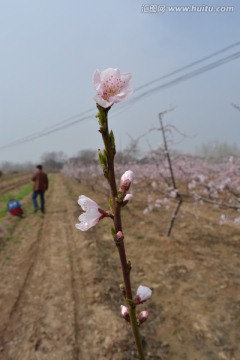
x=13, y=240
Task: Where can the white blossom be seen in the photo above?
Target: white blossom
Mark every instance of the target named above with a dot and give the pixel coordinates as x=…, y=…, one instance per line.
x=143, y=294
x=111, y=86
x=92, y=213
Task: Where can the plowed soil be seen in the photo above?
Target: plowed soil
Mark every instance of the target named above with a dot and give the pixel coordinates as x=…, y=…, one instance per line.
x=59, y=288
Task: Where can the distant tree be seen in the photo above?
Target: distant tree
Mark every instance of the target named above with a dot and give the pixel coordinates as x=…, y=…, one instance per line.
x=130, y=154
x=217, y=150
x=7, y=167
x=53, y=161
x=86, y=157
x=132, y=150
x=124, y=157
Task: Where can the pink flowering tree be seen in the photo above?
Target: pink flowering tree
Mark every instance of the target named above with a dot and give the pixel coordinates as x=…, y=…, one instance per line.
x=112, y=87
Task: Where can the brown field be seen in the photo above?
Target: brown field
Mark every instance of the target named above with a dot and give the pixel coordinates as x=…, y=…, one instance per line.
x=59, y=289
x=12, y=181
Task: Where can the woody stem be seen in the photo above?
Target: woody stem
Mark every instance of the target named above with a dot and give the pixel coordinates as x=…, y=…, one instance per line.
x=109, y=173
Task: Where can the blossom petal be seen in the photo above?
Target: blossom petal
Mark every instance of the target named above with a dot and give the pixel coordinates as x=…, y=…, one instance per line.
x=128, y=197
x=92, y=213
x=143, y=293
x=83, y=226
x=109, y=73
x=128, y=175
x=126, y=78
x=104, y=103
x=97, y=78
x=86, y=203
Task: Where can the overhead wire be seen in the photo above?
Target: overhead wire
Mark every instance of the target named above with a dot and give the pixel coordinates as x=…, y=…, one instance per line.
x=80, y=117
x=47, y=130
x=188, y=76
x=189, y=65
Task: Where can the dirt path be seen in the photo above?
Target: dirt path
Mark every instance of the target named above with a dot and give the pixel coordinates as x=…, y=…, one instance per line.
x=49, y=294
x=35, y=306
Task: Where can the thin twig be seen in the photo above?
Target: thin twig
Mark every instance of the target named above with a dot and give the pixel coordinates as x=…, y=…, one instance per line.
x=174, y=215
x=178, y=195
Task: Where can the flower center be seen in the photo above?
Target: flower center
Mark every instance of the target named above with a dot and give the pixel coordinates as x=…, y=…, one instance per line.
x=112, y=87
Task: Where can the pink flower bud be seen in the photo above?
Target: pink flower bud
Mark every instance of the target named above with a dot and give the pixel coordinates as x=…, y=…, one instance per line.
x=119, y=234
x=143, y=315
x=125, y=313
x=126, y=180
x=143, y=294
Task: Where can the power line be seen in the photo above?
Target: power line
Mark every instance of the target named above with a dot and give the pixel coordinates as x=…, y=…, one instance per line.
x=80, y=117
x=189, y=65
x=49, y=129
x=188, y=76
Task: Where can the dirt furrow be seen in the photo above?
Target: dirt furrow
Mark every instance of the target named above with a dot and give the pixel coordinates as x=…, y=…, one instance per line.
x=41, y=323
x=13, y=185
x=100, y=329
x=16, y=263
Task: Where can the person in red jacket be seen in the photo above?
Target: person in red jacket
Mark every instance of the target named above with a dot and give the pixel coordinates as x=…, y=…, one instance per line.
x=40, y=179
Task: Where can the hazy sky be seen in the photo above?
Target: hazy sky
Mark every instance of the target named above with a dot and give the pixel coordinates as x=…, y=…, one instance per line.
x=51, y=48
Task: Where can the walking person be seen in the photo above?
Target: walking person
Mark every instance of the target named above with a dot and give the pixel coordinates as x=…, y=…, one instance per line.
x=40, y=179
